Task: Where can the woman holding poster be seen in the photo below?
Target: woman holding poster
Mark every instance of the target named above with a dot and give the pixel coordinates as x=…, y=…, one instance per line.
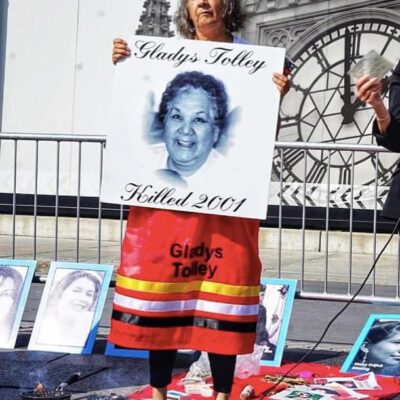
x=186, y=280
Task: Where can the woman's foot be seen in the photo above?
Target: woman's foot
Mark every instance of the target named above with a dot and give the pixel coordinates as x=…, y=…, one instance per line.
x=221, y=396
x=160, y=393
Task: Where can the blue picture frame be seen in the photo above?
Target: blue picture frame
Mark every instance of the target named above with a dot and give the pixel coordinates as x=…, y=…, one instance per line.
x=117, y=351
x=23, y=271
x=69, y=312
x=364, y=355
x=277, y=319
x=112, y=350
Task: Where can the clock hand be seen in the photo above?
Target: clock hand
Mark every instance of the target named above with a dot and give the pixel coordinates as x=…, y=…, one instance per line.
x=348, y=110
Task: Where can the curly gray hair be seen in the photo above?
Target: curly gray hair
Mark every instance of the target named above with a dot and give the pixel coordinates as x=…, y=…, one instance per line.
x=234, y=18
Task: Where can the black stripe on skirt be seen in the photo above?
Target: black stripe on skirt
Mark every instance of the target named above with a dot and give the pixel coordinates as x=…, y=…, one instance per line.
x=169, y=322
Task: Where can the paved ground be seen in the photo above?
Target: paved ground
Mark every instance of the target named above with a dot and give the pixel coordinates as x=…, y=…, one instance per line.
x=20, y=369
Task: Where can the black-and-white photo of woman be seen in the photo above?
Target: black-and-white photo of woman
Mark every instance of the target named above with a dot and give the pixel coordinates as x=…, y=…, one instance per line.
x=192, y=114
x=380, y=350
x=271, y=312
x=11, y=284
x=70, y=308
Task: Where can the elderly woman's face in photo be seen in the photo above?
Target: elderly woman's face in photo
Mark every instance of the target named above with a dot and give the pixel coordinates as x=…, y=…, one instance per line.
x=190, y=131
x=7, y=288
x=386, y=351
x=205, y=12
x=79, y=295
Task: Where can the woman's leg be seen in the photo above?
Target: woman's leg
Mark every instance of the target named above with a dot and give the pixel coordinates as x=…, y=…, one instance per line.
x=161, y=365
x=222, y=370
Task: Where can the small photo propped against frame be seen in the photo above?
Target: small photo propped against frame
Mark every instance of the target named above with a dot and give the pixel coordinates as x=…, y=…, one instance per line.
x=70, y=308
x=377, y=348
x=15, y=281
x=276, y=302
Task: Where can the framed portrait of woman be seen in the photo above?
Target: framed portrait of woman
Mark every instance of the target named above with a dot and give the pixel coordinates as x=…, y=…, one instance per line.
x=15, y=281
x=276, y=301
x=70, y=308
x=377, y=348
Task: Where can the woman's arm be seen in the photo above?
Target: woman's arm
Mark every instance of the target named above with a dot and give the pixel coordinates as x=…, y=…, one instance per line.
x=386, y=127
x=369, y=91
x=391, y=139
x=282, y=83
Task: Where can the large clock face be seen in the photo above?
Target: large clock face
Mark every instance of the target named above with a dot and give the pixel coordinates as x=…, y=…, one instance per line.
x=321, y=105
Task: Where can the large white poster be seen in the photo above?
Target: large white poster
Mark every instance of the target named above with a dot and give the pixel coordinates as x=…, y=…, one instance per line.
x=192, y=126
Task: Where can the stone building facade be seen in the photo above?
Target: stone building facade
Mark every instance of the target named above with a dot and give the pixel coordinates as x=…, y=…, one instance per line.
x=282, y=22
x=155, y=19
x=325, y=38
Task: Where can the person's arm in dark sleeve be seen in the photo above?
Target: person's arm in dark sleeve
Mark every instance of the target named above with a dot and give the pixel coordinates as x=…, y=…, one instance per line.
x=390, y=136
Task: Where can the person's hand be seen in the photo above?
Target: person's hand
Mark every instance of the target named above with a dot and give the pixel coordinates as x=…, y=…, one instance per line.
x=282, y=83
x=120, y=50
x=369, y=90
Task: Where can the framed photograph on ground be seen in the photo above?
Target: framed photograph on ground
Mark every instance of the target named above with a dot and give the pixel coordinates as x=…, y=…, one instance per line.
x=112, y=350
x=188, y=138
x=377, y=348
x=15, y=281
x=70, y=308
x=276, y=301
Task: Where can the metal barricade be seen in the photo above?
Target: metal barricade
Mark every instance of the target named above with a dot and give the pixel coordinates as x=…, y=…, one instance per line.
x=57, y=140
x=326, y=289
x=391, y=292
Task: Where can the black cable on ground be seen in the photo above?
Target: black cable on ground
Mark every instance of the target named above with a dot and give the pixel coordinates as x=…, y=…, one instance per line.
x=269, y=390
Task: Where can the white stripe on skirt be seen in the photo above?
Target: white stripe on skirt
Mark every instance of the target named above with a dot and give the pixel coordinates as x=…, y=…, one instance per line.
x=185, y=305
